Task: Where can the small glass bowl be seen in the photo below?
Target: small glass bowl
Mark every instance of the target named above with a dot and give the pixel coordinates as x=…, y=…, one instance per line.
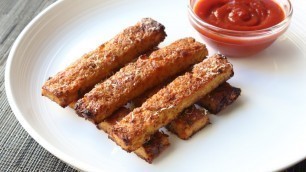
x=240, y=43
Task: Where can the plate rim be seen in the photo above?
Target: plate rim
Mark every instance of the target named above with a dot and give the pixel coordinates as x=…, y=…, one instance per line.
x=15, y=109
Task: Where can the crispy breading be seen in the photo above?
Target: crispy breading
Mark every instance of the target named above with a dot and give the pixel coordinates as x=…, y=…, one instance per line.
x=137, y=77
x=149, y=150
x=68, y=85
x=138, y=101
x=220, y=98
x=190, y=121
x=164, y=106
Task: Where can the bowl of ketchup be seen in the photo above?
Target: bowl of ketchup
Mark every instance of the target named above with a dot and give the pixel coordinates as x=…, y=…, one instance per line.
x=240, y=27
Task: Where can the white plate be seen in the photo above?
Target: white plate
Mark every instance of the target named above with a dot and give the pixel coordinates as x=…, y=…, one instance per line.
x=263, y=131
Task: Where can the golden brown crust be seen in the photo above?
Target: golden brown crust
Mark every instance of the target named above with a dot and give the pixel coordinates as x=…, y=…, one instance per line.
x=68, y=85
x=137, y=77
x=220, y=98
x=138, y=101
x=190, y=121
x=164, y=106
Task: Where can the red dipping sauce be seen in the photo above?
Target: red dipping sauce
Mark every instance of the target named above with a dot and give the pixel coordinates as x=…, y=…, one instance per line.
x=239, y=27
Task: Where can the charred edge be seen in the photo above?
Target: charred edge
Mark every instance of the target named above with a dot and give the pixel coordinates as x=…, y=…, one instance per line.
x=223, y=103
x=236, y=93
x=87, y=113
x=150, y=24
x=82, y=113
x=226, y=101
x=155, y=147
x=98, y=127
x=232, y=73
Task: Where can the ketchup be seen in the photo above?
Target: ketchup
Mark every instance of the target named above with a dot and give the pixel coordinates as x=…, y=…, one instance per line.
x=241, y=15
x=242, y=27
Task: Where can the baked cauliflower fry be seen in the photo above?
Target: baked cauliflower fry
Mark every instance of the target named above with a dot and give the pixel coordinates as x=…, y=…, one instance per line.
x=139, y=76
x=149, y=150
x=70, y=84
x=164, y=106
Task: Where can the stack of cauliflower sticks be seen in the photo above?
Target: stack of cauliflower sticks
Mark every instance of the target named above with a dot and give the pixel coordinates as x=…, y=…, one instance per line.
x=173, y=87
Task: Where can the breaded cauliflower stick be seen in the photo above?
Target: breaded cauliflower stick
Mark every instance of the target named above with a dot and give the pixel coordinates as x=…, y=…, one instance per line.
x=70, y=84
x=164, y=106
